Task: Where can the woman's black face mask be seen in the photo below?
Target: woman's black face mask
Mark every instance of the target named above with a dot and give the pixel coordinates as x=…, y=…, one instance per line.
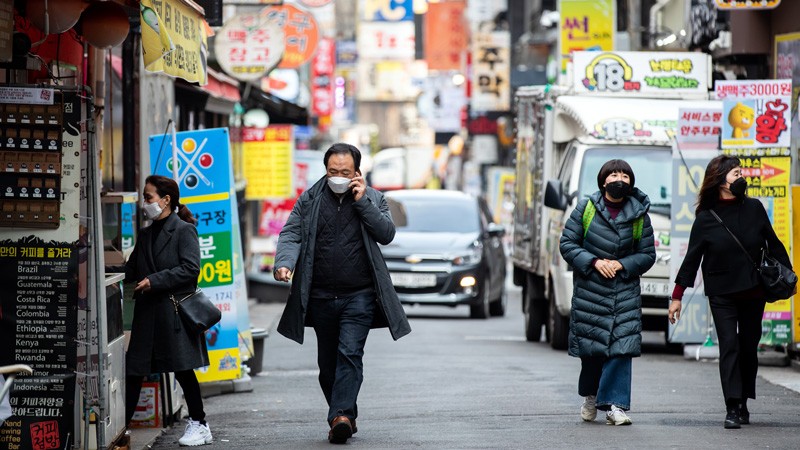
x=738, y=187
x=618, y=189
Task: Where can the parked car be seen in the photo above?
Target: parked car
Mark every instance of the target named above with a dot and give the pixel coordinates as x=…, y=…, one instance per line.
x=447, y=251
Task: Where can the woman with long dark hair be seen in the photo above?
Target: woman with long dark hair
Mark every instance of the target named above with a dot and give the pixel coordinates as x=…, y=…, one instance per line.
x=166, y=262
x=730, y=279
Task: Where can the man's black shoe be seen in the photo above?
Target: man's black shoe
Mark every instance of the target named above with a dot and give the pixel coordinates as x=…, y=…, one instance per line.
x=732, y=419
x=341, y=430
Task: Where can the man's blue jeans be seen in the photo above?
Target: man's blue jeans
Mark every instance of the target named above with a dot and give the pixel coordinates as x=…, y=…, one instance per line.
x=607, y=378
x=341, y=325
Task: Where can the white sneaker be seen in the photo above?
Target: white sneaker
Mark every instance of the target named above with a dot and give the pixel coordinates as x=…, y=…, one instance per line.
x=589, y=408
x=617, y=416
x=196, y=434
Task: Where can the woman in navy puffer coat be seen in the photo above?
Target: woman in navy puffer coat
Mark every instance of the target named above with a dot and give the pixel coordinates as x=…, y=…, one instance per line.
x=607, y=260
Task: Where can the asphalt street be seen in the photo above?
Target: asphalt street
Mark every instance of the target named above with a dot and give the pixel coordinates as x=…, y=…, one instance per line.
x=458, y=383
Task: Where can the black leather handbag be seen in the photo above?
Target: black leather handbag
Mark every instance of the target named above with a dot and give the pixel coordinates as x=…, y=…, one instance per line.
x=196, y=311
x=778, y=281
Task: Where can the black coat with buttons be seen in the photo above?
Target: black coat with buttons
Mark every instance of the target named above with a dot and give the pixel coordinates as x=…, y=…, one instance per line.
x=725, y=267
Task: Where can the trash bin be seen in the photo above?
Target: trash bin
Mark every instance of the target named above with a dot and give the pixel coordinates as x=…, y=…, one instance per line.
x=255, y=363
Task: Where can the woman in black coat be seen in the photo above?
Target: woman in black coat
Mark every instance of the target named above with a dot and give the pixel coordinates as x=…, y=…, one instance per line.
x=608, y=253
x=731, y=282
x=164, y=262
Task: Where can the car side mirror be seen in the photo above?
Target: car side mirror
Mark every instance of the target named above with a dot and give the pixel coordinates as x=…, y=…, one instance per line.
x=495, y=230
x=554, y=196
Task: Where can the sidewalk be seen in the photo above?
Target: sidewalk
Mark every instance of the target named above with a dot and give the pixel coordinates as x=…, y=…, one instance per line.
x=266, y=315
x=262, y=315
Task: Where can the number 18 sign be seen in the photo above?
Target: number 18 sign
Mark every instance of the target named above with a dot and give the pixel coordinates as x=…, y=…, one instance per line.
x=641, y=74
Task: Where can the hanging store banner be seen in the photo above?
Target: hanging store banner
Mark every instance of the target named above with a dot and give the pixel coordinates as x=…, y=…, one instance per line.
x=648, y=74
x=249, y=45
x=763, y=103
x=585, y=25
x=787, y=66
x=300, y=31
x=174, y=40
x=441, y=103
x=268, y=162
x=739, y=5
x=386, y=41
x=491, y=71
x=322, y=67
x=698, y=126
x=205, y=178
x=386, y=10
x=445, y=35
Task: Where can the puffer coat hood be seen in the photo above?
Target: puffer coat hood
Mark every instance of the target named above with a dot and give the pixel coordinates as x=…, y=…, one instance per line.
x=606, y=316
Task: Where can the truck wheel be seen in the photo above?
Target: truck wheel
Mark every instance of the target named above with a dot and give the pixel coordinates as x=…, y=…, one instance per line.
x=559, y=325
x=535, y=316
x=481, y=310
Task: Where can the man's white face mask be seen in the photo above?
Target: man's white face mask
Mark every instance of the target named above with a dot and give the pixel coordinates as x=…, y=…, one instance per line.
x=339, y=185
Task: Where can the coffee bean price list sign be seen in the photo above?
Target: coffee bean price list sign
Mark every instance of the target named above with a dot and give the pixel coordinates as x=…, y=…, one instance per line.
x=39, y=286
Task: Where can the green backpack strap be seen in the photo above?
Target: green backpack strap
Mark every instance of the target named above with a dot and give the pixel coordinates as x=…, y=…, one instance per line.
x=638, y=226
x=588, y=215
x=591, y=210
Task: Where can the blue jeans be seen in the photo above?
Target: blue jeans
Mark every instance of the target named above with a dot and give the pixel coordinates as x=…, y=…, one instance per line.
x=607, y=378
x=341, y=325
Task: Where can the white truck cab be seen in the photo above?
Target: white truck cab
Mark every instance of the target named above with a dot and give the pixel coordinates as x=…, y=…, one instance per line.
x=564, y=136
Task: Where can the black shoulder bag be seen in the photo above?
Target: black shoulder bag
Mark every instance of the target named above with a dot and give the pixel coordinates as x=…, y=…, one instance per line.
x=197, y=312
x=777, y=280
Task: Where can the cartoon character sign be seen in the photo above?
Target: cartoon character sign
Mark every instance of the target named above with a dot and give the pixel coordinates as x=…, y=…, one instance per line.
x=740, y=119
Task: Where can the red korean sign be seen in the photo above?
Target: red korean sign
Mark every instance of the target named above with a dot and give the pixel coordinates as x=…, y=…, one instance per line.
x=755, y=113
x=249, y=45
x=322, y=68
x=445, y=35
x=301, y=34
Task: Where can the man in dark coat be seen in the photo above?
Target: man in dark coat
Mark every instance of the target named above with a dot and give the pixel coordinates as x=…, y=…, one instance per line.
x=341, y=286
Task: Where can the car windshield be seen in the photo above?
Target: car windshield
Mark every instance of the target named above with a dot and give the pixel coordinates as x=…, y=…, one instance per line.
x=652, y=167
x=436, y=215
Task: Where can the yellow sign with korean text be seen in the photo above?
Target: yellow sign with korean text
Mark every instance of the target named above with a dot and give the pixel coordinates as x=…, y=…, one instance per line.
x=585, y=25
x=268, y=165
x=174, y=40
x=740, y=5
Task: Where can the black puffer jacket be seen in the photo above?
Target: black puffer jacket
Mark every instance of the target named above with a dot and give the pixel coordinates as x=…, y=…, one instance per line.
x=606, y=316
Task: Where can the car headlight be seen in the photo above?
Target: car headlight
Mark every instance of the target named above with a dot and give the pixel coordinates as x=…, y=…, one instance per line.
x=472, y=256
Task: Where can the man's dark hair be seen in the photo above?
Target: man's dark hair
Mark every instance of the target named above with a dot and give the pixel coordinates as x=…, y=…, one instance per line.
x=615, y=165
x=341, y=148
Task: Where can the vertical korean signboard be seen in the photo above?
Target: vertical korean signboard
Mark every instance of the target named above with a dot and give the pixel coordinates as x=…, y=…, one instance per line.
x=585, y=25
x=491, y=71
x=205, y=179
x=787, y=65
x=755, y=127
x=43, y=260
x=322, y=67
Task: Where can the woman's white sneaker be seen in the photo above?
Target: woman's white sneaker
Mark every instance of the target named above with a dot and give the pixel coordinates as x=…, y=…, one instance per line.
x=616, y=416
x=196, y=434
x=589, y=408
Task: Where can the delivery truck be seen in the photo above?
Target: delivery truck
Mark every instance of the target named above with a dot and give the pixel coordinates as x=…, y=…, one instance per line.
x=621, y=105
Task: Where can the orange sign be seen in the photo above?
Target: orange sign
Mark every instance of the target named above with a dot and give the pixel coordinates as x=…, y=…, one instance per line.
x=445, y=35
x=301, y=34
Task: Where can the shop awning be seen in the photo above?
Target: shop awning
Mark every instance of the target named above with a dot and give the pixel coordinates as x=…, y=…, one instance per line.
x=279, y=110
x=223, y=92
